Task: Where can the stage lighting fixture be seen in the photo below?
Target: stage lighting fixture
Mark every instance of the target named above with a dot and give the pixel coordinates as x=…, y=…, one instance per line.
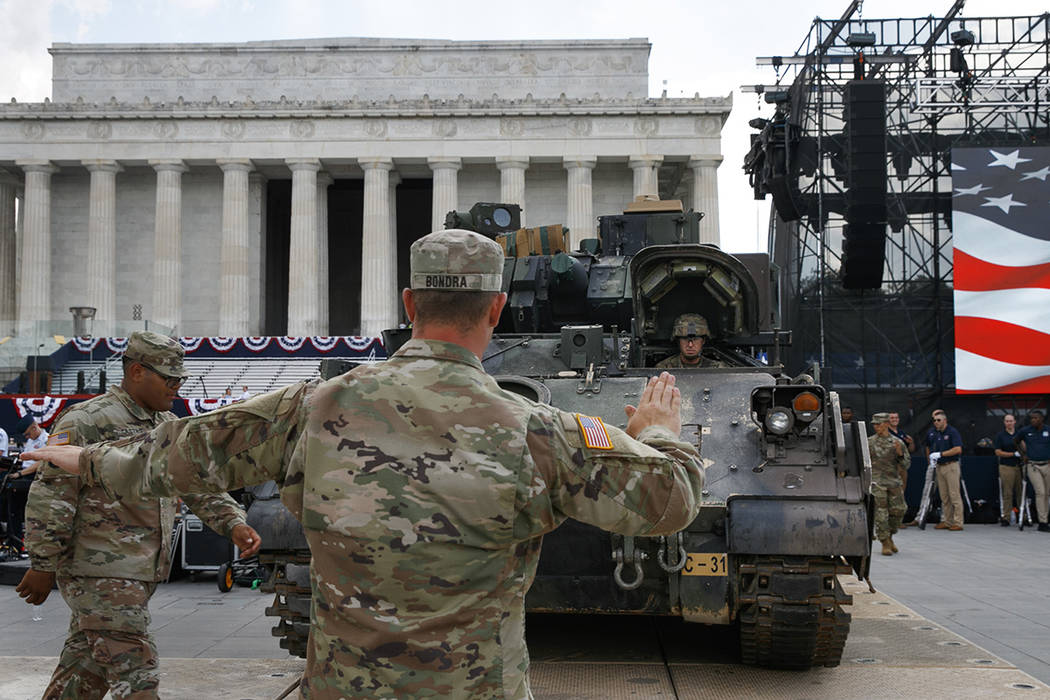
x=963, y=37
x=758, y=123
x=861, y=39
x=777, y=97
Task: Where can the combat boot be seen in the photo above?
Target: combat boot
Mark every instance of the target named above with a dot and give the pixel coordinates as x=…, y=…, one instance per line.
x=893, y=544
x=887, y=548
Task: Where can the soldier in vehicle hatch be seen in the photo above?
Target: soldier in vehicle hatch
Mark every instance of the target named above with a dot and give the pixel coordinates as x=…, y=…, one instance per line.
x=690, y=333
x=424, y=488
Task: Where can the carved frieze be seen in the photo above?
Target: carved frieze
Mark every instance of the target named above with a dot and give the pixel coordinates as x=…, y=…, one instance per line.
x=33, y=131
x=376, y=128
x=580, y=126
x=99, y=130
x=233, y=129
x=445, y=128
x=511, y=126
x=645, y=126
x=166, y=130
x=708, y=125
x=301, y=129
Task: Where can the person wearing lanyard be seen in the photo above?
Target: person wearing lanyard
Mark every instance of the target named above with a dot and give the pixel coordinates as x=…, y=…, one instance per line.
x=1010, y=478
x=944, y=445
x=1034, y=443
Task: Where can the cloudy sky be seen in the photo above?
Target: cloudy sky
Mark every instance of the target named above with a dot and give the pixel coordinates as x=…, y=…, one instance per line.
x=698, y=46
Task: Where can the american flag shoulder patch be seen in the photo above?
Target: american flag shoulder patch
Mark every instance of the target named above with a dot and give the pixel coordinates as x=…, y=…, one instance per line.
x=58, y=439
x=593, y=431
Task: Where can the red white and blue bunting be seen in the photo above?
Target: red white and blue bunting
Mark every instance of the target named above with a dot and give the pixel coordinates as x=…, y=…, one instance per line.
x=348, y=346
x=86, y=344
x=222, y=343
x=257, y=343
x=117, y=344
x=42, y=408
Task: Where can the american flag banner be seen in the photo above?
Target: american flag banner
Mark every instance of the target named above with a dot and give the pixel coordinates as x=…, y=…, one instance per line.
x=593, y=431
x=1001, y=239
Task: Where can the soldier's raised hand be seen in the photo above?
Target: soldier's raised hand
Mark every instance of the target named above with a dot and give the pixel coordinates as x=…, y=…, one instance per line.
x=65, y=457
x=661, y=404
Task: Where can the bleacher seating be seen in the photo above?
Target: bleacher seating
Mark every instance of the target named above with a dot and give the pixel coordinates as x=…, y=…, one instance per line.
x=208, y=377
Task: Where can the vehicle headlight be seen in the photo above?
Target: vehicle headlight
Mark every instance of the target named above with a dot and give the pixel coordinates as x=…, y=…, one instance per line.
x=779, y=420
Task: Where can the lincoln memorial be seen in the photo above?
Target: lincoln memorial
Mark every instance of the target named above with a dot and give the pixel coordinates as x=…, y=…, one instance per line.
x=273, y=188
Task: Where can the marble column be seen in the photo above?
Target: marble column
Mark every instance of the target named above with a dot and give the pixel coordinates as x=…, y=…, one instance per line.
x=394, y=181
x=101, y=259
x=446, y=189
x=167, y=247
x=303, y=257
x=512, y=182
x=257, y=250
x=34, y=296
x=324, y=181
x=378, y=246
x=8, y=254
x=646, y=169
x=235, y=280
x=705, y=195
x=580, y=215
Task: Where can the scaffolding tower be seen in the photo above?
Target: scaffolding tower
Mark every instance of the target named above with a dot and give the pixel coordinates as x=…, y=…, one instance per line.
x=950, y=82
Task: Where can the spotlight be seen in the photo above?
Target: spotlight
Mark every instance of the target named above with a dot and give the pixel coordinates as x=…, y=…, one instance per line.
x=776, y=97
x=861, y=39
x=963, y=37
x=758, y=123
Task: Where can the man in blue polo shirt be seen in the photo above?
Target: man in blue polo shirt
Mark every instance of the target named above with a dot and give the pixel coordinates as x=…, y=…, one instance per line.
x=1009, y=468
x=1034, y=441
x=944, y=446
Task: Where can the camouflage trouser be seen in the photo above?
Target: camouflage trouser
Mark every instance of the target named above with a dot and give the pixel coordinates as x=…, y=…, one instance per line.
x=109, y=646
x=889, y=509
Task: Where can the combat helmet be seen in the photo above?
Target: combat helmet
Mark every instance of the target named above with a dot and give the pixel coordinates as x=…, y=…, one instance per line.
x=690, y=324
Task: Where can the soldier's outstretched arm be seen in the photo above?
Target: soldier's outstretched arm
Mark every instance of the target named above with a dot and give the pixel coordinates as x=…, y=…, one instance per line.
x=242, y=444
x=600, y=475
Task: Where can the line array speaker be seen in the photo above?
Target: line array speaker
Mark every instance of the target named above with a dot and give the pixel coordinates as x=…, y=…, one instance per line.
x=864, y=236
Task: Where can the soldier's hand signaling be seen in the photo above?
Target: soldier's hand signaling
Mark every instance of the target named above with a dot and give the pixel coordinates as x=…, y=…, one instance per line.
x=35, y=586
x=661, y=404
x=246, y=539
x=65, y=457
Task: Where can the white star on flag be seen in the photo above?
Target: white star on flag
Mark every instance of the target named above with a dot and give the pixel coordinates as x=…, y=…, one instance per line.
x=1007, y=160
x=1037, y=174
x=1004, y=203
x=976, y=189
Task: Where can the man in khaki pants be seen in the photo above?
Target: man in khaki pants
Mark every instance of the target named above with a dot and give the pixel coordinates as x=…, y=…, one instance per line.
x=944, y=445
x=1034, y=441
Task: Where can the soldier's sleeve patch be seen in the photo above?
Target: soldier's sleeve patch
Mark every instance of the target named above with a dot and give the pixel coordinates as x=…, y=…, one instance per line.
x=593, y=431
x=59, y=438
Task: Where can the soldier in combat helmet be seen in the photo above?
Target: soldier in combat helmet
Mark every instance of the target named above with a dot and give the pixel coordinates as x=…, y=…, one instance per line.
x=108, y=553
x=690, y=333
x=889, y=468
x=424, y=488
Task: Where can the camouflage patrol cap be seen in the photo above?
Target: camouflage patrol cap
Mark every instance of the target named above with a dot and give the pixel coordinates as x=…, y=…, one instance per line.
x=880, y=418
x=456, y=260
x=157, y=351
x=690, y=324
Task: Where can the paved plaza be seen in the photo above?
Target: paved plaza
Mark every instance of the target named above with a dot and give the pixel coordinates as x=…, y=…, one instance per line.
x=987, y=585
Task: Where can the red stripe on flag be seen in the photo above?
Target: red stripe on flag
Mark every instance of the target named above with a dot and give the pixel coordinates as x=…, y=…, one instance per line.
x=975, y=275
x=1002, y=341
x=1035, y=385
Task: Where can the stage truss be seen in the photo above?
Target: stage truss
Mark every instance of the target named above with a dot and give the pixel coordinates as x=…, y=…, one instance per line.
x=898, y=337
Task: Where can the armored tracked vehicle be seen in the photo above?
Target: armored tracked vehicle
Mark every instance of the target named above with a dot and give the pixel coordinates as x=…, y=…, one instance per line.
x=785, y=506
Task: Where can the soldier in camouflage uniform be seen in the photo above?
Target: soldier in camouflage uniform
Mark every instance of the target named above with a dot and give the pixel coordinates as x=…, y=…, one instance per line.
x=424, y=489
x=690, y=333
x=889, y=468
x=109, y=552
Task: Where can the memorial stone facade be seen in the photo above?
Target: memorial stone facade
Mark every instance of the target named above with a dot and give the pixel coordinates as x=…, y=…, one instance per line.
x=274, y=187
